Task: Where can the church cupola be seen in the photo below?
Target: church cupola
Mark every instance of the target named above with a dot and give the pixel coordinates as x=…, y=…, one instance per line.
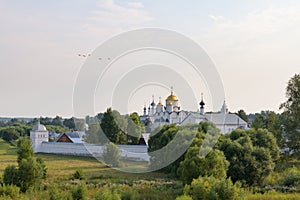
x=152, y=106
x=224, y=109
x=145, y=110
x=172, y=102
x=202, y=104
x=159, y=107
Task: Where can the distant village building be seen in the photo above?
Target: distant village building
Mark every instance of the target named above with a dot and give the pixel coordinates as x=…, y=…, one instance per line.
x=71, y=137
x=170, y=113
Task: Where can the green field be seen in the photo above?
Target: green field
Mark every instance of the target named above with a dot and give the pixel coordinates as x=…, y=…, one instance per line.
x=96, y=176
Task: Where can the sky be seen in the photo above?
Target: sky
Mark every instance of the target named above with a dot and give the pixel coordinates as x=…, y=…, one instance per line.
x=254, y=45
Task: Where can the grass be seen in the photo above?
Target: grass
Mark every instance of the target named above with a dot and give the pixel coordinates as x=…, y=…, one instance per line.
x=273, y=196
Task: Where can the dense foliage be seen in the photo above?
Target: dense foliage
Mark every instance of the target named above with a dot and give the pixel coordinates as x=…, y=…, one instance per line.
x=30, y=171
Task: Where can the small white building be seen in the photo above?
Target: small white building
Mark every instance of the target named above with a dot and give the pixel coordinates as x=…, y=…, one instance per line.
x=38, y=135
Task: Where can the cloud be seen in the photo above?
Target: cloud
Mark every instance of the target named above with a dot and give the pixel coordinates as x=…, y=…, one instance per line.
x=260, y=50
x=111, y=14
x=216, y=17
x=136, y=5
x=260, y=22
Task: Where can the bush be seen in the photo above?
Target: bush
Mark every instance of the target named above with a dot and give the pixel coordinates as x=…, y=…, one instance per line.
x=79, y=192
x=130, y=194
x=290, y=178
x=107, y=194
x=11, y=191
x=10, y=176
x=55, y=194
x=111, y=155
x=184, y=197
x=212, y=188
x=78, y=174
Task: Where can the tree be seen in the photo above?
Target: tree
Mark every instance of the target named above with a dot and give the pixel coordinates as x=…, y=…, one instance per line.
x=193, y=166
x=109, y=126
x=9, y=134
x=291, y=114
x=30, y=172
x=249, y=163
x=70, y=123
x=56, y=129
x=269, y=120
x=134, y=129
x=45, y=121
x=57, y=121
x=111, y=155
x=264, y=138
x=25, y=150
x=122, y=124
x=242, y=114
x=10, y=175
x=93, y=135
x=212, y=188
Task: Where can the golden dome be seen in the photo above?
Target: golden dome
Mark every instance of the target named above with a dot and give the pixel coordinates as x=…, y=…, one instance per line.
x=172, y=97
x=170, y=103
x=159, y=103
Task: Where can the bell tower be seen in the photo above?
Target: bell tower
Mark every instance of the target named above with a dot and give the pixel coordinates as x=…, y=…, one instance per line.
x=38, y=135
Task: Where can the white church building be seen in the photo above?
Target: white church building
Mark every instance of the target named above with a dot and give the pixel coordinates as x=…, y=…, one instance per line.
x=170, y=113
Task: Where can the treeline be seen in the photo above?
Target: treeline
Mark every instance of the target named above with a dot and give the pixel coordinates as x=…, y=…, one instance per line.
x=240, y=159
x=116, y=128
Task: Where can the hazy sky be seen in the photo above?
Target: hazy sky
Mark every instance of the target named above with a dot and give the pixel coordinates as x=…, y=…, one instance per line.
x=254, y=44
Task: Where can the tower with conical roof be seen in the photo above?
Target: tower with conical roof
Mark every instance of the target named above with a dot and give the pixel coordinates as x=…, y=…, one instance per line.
x=224, y=109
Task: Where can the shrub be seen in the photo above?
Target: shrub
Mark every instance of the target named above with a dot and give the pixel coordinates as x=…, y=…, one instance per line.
x=78, y=174
x=11, y=191
x=107, y=194
x=130, y=194
x=212, y=188
x=79, y=192
x=184, y=197
x=55, y=194
x=10, y=175
x=111, y=155
x=290, y=178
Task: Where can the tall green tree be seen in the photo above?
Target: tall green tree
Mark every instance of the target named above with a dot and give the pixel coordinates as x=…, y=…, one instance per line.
x=25, y=150
x=271, y=121
x=134, y=129
x=114, y=126
x=93, y=135
x=242, y=114
x=291, y=115
x=30, y=171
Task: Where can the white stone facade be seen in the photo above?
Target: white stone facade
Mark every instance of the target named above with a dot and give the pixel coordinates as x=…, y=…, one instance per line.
x=171, y=114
